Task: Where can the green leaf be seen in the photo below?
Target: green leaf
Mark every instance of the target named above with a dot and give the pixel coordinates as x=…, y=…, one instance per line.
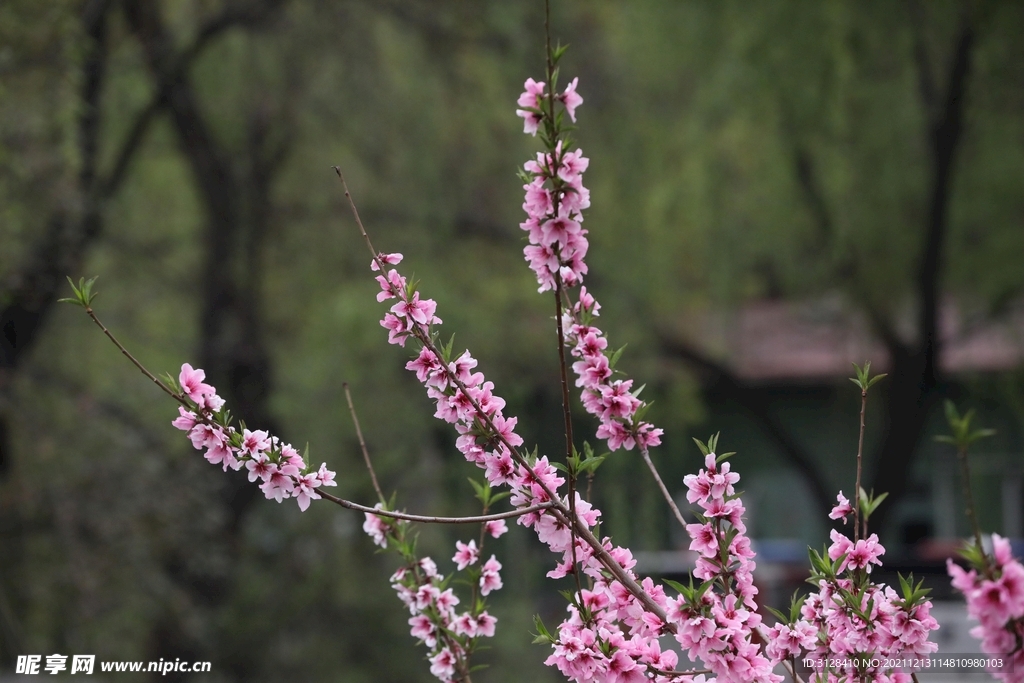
x=542, y=635
x=875, y=379
x=724, y=456
x=83, y=293
x=614, y=358
x=795, y=604
x=499, y=496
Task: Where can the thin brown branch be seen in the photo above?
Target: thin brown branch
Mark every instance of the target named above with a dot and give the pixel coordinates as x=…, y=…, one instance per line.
x=860, y=461
x=664, y=490
x=427, y=519
x=134, y=361
x=965, y=474
x=362, y=443
x=334, y=499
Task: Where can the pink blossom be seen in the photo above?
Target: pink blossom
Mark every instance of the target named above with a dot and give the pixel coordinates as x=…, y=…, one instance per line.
x=325, y=476
x=260, y=467
x=442, y=664
x=573, y=165
x=530, y=99
x=191, y=382
x=446, y=600
x=186, y=420
x=466, y=554
x=490, y=580
x=495, y=528
x=398, y=329
x=571, y=99
x=389, y=259
x=423, y=629
x=254, y=442
x=280, y=485
x=391, y=286
x=842, y=508
x=485, y=624
x=499, y=467
x=305, y=490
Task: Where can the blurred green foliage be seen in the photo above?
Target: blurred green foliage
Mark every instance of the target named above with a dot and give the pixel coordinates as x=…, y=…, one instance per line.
x=694, y=116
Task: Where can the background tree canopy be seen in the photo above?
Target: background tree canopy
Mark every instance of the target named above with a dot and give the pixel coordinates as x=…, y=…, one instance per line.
x=181, y=151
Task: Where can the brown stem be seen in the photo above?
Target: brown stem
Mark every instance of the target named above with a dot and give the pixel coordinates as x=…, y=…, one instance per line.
x=567, y=415
x=479, y=519
x=860, y=460
x=136, y=363
x=664, y=490
x=965, y=473
x=362, y=444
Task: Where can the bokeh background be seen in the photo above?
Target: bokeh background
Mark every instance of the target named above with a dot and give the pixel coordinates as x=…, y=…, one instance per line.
x=779, y=189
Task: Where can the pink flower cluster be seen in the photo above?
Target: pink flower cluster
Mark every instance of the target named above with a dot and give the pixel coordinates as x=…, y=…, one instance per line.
x=995, y=598
x=852, y=618
x=716, y=622
x=613, y=402
x=449, y=635
x=554, y=202
x=410, y=313
x=555, y=199
x=280, y=469
x=532, y=101
x=616, y=639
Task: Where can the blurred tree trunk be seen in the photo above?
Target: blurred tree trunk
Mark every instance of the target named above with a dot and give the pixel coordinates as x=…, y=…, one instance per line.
x=28, y=298
x=232, y=346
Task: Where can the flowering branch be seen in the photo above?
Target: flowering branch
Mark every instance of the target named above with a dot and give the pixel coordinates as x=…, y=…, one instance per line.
x=864, y=381
x=994, y=585
x=433, y=361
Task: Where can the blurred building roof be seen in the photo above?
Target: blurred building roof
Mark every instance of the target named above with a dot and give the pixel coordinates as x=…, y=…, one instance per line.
x=819, y=339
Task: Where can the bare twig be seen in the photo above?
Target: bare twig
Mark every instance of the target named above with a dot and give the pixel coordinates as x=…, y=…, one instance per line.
x=860, y=460
x=135, y=362
x=362, y=443
x=427, y=519
x=326, y=496
x=965, y=474
x=664, y=490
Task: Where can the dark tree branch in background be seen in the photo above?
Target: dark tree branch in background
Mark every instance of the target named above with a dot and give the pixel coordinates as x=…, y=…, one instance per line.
x=925, y=78
x=235, y=189
x=910, y=391
x=717, y=378
x=812, y=193
x=915, y=371
x=68, y=236
x=34, y=289
x=231, y=337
